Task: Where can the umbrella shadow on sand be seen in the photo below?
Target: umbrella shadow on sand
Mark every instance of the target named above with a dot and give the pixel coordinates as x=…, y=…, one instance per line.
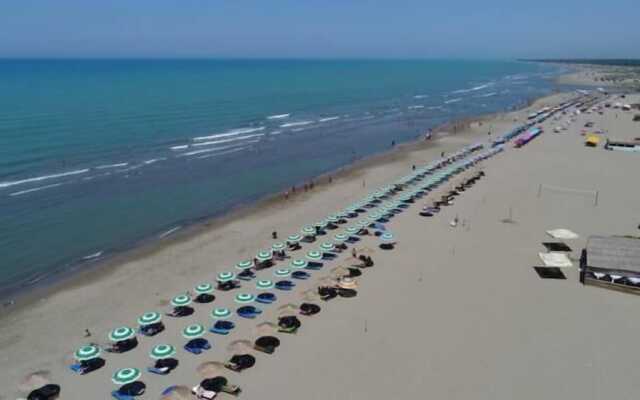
x=240, y=346
x=34, y=381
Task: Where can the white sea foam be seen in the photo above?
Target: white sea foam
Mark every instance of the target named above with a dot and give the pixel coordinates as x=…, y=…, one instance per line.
x=415, y=107
x=234, y=146
x=169, y=232
x=452, y=101
x=228, y=140
x=106, y=166
x=223, y=153
x=92, y=256
x=279, y=116
x=294, y=124
x=181, y=147
x=488, y=94
x=233, y=132
x=42, y=178
x=474, y=89
x=275, y=133
x=154, y=160
x=327, y=119
x=37, y=189
x=420, y=96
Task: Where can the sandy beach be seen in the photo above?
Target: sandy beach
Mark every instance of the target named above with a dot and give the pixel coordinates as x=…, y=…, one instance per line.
x=456, y=313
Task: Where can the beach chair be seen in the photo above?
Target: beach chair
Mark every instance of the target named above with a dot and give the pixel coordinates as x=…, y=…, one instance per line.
x=119, y=396
x=285, y=285
x=197, y=346
x=301, y=275
x=248, y=312
x=222, y=327
x=266, y=298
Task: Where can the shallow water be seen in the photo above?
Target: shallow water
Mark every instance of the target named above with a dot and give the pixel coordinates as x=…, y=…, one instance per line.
x=98, y=155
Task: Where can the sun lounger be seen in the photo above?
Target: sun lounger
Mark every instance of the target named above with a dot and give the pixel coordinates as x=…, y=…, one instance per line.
x=284, y=285
x=249, y=312
x=119, y=396
x=197, y=346
x=300, y=275
x=266, y=298
x=222, y=327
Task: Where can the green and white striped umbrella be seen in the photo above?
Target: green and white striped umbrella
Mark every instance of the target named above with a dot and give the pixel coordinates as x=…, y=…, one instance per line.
x=282, y=272
x=86, y=353
x=294, y=238
x=226, y=276
x=387, y=237
x=298, y=264
x=340, y=237
x=246, y=264
x=149, y=318
x=264, y=255
x=122, y=333
x=320, y=224
x=244, y=298
x=204, y=288
x=279, y=246
x=352, y=230
x=314, y=255
x=264, y=284
x=193, y=331
x=374, y=216
x=308, y=230
x=126, y=375
x=364, y=224
x=181, y=300
x=162, y=351
x=332, y=218
x=220, y=313
x=327, y=246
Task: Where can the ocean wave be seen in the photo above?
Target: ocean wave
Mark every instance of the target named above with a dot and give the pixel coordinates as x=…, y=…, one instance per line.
x=106, y=166
x=223, y=153
x=452, y=101
x=299, y=123
x=180, y=147
x=420, y=96
x=92, y=256
x=279, y=116
x=233, y=132
x=474, y=89
x=415, y=107
x=488, y=94
x=229, y=140
x=275, y=133
x=43, y=178
x=242, y=145
x=169, y=232
x=153, y=160
x=327, y=119
x=37, y=189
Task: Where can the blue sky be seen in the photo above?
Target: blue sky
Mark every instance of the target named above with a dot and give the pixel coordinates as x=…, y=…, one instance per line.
x=314, y=28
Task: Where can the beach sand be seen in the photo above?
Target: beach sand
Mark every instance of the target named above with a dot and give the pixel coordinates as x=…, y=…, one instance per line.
x=454, y=313
x=605, y=76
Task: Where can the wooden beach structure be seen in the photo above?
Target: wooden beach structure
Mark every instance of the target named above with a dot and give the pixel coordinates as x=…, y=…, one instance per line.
x=611, y=262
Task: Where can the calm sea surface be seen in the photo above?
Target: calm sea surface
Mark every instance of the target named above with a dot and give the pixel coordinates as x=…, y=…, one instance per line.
x=96, y=156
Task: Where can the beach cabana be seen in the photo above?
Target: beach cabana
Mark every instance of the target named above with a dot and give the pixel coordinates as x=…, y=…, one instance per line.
x=611, y=262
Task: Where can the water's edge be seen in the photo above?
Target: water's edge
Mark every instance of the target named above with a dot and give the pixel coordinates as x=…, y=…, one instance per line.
x=85, y=271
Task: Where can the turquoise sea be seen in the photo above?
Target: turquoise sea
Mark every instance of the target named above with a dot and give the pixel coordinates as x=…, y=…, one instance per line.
x=99, y=155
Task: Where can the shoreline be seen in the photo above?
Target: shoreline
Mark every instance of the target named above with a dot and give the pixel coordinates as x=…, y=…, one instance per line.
x=145, y=279
x=85, y=271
